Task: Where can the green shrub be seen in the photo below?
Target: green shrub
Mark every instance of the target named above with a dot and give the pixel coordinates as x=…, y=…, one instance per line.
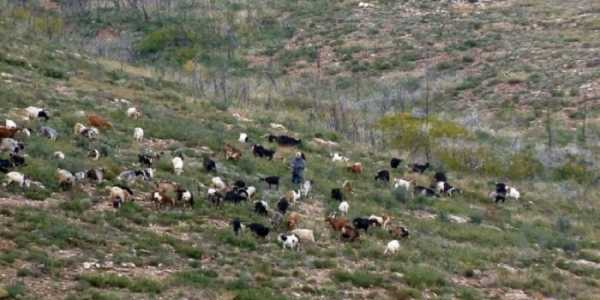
x=423, y=276
x=359, y=278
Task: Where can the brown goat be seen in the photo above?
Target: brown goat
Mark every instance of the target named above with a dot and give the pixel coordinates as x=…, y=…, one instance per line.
x=356, y=168
x=98, y=122
x=293, y=220
x=347, y=185
x=166, y=187
x=337, y=224
x=231, y=152
x=349, y=233
x=398, y=232
x=7, y=132
x=160, y=199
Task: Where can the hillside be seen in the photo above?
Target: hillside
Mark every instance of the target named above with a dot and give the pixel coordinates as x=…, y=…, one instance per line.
x=73, y=244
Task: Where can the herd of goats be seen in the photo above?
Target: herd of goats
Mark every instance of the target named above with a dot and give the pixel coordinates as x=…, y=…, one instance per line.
x=171, y=194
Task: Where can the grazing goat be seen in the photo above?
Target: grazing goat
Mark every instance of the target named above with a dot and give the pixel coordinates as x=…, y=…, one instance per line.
x=337, y=157
x=271, y=181
x=261, y=151
x=236, y=225
x=293, y=219
x=132, y=175
x=304, y=235
x=277, y=126
x=380, y=221
x=344, y=207
x=347, y=186
x=218, y=183
x=10, y=124
x=215, y=197
x=284, y=140
x=36, y=113
x=349, y=233
x=305, y=188
x=440, y=177
x=243, y=138
x=6, y=132
x=18, y=178
x=402, y=183
x=420, y=168
x=65, y=178
x=392, y=247
x=235, y=196
x=138, y=134
x=356, y=168
x=395, y=163
x=336, y=223
x=119, y=195
x=362, y=223
x=161, y=199
x=17, y=160
x=94, y=154
x=98, y=122
x=383, y=175
x=283, y=205
x=6, y=165
x=49, y=133
x=293, y=196
x=231, y=153
x=185, y=197
x=424, y=191
x=288, y=241
x=209, y=164
x=177, y=163
x=95, y=175
x=259, y=229
x=11, y=145
x=133, y=113
x=336, y=194
x=147, y=159
x=399, y=232
x=59, y=155
x=261, y=208
x=239, y=184
x=504, y=191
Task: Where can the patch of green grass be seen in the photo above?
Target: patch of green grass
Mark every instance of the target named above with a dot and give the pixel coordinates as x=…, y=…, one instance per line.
x=359, y=278
x=423, y=276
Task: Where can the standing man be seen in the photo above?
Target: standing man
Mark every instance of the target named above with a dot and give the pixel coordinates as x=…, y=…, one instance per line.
x=298, y=165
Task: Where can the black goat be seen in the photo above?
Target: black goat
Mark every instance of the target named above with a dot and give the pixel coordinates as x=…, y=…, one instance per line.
x=260, y=151
x=395, y=162
x=147, y=160
x=440, y=177
x=239, y=184
x=271, y=180
x=383, y=175
x=6, y=165
x=17, y=160
x=336, y=194
x=237, y=225
x=259, y=229
x=235, y=196
x=261, y=208
x=362, y=223
x=283, y=205
x=284, y=140
x=420, y=168
x=209, y=164
x=425, y=191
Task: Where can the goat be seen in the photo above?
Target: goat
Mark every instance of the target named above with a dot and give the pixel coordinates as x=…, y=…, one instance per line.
x=383, y=175
x=37, y=113
x=236, y=225
x=402, y=183
x=305, y=188
x=395, y=162
x=59, y=155
x=293, y=219
x=336, y=223
x=343, y=207
x=424, y=191
x=399, y=232
x=177, y=163
x=161, y=199
x=440, y=177
x=18, y=178
x=284, y=140
x=185, y=197
x=337, y=157
x=119, y=194
x=261, y=208
x=277, y=126
x=138, y=134
x=98, y=122
x=49, y=133
x=362, y=223
x=95, y=175
x=304, y=235
x=288, y=241
x=65, y=178
x=293, y=196
x=11, y=145
x=133, y=113
x=259, y=229
x=17, y=160
x=420, y=168
x=283, y=205
x=380, y=221
x=94, y=154
x=231, y=153
x=235, y=196
x=261, y=151
x=336, y=194
x=10, y=124
x=147, y=159
x=392, y=247
x=6, y=132
x=347, y=186
x=209, y=164
x=243, y=138
x=349, y=233
x=218, y=183
x=215, y=197
x=356, y=168
x=6, y=165
x=239, y=184
x=271, y=181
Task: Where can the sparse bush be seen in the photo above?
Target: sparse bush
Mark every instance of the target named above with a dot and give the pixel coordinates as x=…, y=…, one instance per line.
x=359, y=278
x=423, y=276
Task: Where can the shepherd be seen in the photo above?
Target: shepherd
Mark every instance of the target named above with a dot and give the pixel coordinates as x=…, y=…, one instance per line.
x=298, y=165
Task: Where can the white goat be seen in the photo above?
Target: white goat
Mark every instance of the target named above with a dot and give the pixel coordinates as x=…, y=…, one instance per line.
x=343, y=207
x=288, y=241
x=177, y=162
x=138, y=134
x=392, y=247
